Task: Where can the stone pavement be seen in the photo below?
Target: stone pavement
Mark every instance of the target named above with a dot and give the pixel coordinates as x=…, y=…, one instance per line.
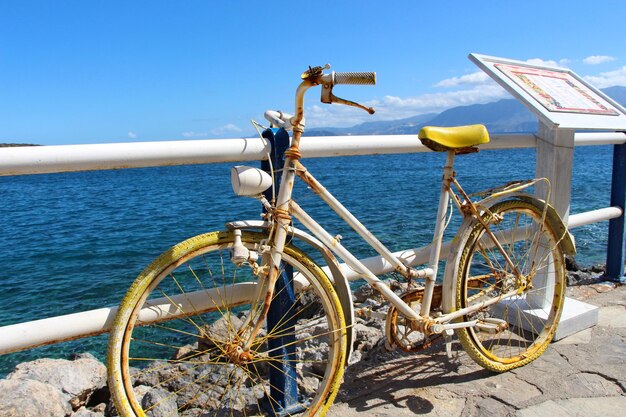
x=582, y=375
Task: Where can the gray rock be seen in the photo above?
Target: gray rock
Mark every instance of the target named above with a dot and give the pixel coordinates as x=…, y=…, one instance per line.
x=366, y=337
x=571, y=264
x=193, y=412
x=148, y=376
x=578, y=278
x=314, y=358
x=370, y=297
x=315, y=328
x=186, y=351
x=140, y=392
x=364, y=293
x=188, y=394
x=84, y=412
x=76, y=379
x=222, y=330
x=29, y=398
x=160, y=403
x=309, y=385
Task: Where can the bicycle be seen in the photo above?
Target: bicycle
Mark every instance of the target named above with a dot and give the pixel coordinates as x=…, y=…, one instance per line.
x=245, y=322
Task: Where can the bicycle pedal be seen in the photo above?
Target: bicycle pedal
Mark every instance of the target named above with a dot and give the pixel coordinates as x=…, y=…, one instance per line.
x=491, y=325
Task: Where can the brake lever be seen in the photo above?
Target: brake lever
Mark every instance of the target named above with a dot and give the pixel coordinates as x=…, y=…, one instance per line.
x=328, y=97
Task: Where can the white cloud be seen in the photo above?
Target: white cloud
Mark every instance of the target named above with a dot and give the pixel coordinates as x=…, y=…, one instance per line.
x=547, y=63
x=228, y=128
x=191, y=134
x=609, y=79
x=437, y=101
x=132, y=135
x=598, y=59
x=392, y=107
x=478, y=77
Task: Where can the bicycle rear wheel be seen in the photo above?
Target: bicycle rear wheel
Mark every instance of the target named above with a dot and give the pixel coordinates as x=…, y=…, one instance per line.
x=517, y=329
x=176, y=344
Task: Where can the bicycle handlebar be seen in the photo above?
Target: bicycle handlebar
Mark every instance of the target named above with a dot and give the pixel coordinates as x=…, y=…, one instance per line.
x=354, y=78
x=315, y=76
x=328, y=81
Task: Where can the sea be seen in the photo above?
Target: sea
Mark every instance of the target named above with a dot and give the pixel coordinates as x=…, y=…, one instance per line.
x=72, y=242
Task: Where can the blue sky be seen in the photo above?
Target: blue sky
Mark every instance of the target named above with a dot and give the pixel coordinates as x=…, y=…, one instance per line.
x=120, y=71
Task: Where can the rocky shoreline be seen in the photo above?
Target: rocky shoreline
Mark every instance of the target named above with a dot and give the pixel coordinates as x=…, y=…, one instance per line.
x=77, y=387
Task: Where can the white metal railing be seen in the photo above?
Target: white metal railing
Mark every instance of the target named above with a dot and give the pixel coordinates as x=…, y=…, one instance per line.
x=66, y=158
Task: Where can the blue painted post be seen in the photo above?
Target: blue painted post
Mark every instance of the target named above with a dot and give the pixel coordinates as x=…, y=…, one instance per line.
x=283, y=377
x=617, y=244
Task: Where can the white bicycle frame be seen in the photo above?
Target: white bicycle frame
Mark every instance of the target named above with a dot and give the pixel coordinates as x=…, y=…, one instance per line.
x=436, y=325
x=285, y=207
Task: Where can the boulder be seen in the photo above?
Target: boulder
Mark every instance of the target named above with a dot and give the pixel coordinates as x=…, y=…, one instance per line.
x=578, y=278
x=28, y=398
x=160, y=403
x=76, y=379
x=365, y=337
x=221, y=330
x=571, y=264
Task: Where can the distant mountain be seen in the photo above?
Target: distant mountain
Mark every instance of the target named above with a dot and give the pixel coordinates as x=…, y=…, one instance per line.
x=616, y=93
x=503, y=116
x=15, y=145
x=385, y=127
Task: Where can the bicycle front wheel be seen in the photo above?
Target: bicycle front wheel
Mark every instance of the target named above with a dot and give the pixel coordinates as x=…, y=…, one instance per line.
x=522, y=318
x=177, y=344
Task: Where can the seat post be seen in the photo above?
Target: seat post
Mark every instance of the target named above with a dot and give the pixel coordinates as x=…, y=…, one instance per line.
x=435, y=247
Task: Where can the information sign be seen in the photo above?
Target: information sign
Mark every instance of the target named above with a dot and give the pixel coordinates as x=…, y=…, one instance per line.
x=557, y=95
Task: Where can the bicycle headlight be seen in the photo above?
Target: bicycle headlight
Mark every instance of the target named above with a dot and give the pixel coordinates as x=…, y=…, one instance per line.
x=249, y=181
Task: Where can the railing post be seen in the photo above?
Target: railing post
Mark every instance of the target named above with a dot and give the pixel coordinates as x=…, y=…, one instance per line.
x=617, y=245
x=282, y=374
x=555, y=159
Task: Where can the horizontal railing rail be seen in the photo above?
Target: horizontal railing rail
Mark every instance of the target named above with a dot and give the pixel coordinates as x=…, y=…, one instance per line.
x=70, y=158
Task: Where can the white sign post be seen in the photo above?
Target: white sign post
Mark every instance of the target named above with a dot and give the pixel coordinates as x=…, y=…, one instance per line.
x=563, y=103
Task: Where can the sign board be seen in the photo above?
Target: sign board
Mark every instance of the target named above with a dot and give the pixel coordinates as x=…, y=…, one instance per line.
x=558, y=96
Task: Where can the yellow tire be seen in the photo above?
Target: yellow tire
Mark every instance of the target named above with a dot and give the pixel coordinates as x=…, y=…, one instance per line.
x=516, y=330
x=177, y=340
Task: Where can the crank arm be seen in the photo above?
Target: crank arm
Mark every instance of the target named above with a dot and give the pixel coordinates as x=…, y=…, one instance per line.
x=440, y=328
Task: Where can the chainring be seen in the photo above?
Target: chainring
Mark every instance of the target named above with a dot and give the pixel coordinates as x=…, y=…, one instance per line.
x=399, y=330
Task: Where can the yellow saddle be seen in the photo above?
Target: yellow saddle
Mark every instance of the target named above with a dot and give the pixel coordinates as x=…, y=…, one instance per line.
x=442, y=139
